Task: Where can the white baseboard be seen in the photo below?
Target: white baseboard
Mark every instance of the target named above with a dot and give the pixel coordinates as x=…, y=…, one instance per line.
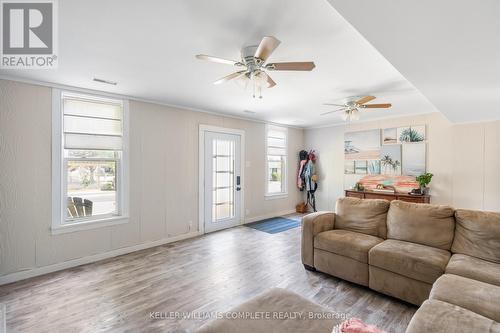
x=268, y=216
x=32, y=272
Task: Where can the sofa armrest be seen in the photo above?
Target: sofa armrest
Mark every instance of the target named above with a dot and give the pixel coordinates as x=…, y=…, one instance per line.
x=313, y=224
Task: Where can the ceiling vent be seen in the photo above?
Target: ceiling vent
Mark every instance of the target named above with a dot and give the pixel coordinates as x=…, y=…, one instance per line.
x=113, y=83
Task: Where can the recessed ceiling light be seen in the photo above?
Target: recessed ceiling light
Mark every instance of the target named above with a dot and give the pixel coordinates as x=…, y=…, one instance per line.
x=249, y=112
x=113, y=83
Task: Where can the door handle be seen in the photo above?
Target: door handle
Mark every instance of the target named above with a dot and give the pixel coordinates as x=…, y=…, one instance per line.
x=238, y=188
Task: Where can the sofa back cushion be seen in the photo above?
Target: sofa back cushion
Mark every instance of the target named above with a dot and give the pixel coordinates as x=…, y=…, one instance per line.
x=477, y=234
x=425, y=224
x=362, y=215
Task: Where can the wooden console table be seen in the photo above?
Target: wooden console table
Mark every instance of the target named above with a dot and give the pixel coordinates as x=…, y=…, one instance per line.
x=388, y=196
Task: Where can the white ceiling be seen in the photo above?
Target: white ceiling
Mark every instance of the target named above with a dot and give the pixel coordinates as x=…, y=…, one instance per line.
x=149, y=48
x=449, y=49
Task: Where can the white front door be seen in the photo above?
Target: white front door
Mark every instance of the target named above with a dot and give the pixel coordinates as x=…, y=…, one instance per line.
x=222, y=189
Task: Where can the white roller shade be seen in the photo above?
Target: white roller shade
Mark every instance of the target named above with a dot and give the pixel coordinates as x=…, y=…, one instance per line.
x=92, y=142
x=92, y=124
x=276, y=151
x=276, y=141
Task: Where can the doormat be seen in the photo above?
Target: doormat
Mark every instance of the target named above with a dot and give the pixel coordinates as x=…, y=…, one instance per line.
x=274, y=225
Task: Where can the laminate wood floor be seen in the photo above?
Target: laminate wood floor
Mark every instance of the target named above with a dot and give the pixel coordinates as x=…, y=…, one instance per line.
x=211, y=273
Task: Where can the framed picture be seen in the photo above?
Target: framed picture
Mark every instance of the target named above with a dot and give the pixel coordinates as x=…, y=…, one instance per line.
x=414, y=158
x=419, y=132
x=373, y=167
x=402, y=134
x=361, y=167
x=362, y=145
x=390, y=160
x=389, y=136
x=349, y=167
x=411, y=134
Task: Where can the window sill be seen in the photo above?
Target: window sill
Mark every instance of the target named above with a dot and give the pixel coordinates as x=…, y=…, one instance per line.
x=87, y=225
x=276, y=196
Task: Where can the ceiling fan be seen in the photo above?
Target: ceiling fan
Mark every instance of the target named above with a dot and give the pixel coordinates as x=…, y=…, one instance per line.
x=351, y=109
x=253, y=65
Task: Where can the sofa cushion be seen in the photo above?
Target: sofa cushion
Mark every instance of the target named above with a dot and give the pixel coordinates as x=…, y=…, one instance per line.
x=442, y=317
x=416, y=261
x=479, y=297
x=346, y=243
x=363, y=216
x=341, y=267
x=477, y=234
x=399, y=286
x=424, y=224
x=474, y=268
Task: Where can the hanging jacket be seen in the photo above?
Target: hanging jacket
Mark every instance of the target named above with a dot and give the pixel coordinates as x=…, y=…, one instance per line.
x=300, y=173
x=308, y=173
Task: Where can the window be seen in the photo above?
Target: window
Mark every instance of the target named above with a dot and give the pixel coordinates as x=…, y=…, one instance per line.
x=276, y=151
x=89, y=162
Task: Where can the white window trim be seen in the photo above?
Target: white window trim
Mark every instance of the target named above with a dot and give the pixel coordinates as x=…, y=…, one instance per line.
x=284, y=194
x=58, y=174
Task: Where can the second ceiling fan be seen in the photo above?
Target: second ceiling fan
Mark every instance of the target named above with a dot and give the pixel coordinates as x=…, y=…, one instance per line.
x=351, y=109
x=253, y=65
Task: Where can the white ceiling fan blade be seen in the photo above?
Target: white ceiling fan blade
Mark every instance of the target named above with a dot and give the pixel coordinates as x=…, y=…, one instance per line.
x=266, y=47
x=333, y=104
x=268, y=81
x=333, y=111
x=218, y=60
x=230, y=77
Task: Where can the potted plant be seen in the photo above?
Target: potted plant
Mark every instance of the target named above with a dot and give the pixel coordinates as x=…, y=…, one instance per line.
x=359, y=187
x=424, y=180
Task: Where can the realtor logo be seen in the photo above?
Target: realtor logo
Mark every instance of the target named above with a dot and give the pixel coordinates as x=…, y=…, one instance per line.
x=28, y=34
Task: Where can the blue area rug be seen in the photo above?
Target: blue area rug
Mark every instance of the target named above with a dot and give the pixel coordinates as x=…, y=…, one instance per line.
x=274, y=225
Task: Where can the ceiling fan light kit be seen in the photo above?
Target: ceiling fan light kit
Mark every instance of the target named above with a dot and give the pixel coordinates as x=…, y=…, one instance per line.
x=350, y=115
x=351, y=109
x=253, y=60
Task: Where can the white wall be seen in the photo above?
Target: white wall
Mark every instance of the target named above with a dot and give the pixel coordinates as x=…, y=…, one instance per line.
x=476, y=160
x=465, y=160
x=163, y=143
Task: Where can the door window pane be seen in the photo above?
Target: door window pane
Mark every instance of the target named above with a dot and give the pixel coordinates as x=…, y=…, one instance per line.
x=223, y=179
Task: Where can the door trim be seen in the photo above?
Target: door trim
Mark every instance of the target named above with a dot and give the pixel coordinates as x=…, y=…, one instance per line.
x=201, y=171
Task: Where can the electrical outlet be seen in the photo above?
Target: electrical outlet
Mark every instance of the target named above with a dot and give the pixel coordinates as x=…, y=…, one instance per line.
x=190, y=225
x=247, y=211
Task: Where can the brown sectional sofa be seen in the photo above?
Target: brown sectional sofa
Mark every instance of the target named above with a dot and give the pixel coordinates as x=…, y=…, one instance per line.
x=446, y=260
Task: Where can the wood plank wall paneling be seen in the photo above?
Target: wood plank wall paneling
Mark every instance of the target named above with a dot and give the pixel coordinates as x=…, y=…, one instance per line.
x=163, y=179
